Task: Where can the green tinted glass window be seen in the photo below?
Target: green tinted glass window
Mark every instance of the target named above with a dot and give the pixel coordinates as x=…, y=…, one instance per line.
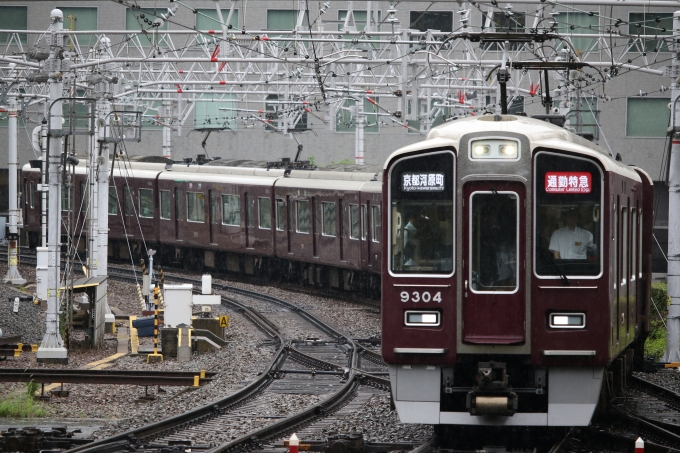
x=146, y=203
x=195, y=207
x=647, y=117
x=328, y=219
x=657, y=25
x=579, y=23
x=113, y=200
x=231, y=210
x=81, y=19
x=265, y=205
x=281, y=19
x=165, y=204
x=432, y=20
x=13, y=18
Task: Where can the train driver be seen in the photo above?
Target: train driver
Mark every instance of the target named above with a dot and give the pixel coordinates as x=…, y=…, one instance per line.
x=571, y=242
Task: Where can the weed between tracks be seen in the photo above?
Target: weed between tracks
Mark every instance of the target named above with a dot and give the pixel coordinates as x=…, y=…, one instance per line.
x=655, y=346
x=22, y=405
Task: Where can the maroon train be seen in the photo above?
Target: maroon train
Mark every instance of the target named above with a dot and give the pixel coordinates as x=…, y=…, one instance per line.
x=318, y=227
x=516, y=277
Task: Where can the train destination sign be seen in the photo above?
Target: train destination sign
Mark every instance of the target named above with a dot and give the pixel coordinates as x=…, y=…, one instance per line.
x=568, y=182
x=422, y=182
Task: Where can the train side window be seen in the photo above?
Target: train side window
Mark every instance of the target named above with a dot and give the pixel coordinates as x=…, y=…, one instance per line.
x=567, y=216
x=364, y=222
x=354, y=221
x=196, y=207
x=113, y=201
x=624, y=246
x=302, y=214
x=146, y=203
x=129, y=202
x=231, y=210
x=250, y=210
x=66, y=197
x=165, y=205
x=421, y=224
x=375, y=222
x=31, y=194
x=328, y=218
x=265, y=213
x=633, y=244
x=280, y=215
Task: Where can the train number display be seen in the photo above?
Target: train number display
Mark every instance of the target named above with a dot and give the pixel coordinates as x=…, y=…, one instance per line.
x=418, y=296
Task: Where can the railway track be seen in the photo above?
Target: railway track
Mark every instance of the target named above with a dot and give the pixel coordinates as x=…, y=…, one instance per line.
x=329, y=360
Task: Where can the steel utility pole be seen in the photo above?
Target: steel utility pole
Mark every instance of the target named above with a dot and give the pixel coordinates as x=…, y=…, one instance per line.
x=52, y=347
x=673, y=332
x=13, y=275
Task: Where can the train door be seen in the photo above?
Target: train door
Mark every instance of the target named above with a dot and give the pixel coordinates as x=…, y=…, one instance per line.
x=493, y=292
x=341, y=229
x=178, y=213
x=212, y=214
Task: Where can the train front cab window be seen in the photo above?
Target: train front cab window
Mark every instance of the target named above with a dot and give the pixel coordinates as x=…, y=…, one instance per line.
x=421, y=214
x=568, y=206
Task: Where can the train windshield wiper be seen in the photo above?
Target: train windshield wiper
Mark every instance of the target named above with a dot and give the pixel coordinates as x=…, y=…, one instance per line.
x=562, y=275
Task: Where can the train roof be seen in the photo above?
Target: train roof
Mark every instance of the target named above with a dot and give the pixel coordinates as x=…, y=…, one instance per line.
x=540, y=133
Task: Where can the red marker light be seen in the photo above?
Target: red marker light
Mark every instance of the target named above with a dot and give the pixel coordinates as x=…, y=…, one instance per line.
x=222, y=82
x=211, y=32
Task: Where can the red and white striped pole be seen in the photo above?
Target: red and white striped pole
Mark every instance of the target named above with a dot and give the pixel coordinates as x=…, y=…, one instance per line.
x=639, y=445
x=294, y=444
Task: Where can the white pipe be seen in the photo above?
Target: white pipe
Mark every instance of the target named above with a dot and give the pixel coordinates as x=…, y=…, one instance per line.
x=13, y=275
x=35, y=138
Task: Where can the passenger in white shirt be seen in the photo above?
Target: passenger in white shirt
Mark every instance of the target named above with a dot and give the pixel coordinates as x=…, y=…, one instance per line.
x=571, y=242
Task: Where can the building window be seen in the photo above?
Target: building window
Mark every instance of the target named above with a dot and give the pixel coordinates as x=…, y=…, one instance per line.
x=13, y=18
x=273, y=107
x=231, y=210
x=135, y=23
x=346, y=117
x=375, y=223
x=206, y=19
x=302, y=211
x=129, y=202
x=165, y=204
x=81, y=19
x=265, y=213
x=195, y=207
x=354, y=221
x=328, y=218
x=515, y=22
x=282, y=19
x=113, y=201
x=647, y=117
x=146, y=203
x=280, y=215
x=579, y=23
x=658, y=25
x=432, y=20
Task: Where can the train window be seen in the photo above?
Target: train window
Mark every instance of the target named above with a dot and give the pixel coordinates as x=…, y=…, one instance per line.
x=146, y=203
x=364, y=222
x=265, y=213
x=302, y=211
x=328, y=218
x=195, y=207
x=421, y=222
x=375, y=223
x=66, y=197
x=165, y=205
x=494, y=241
x=633, y=244
x=624, y=246
x=231, y=210
x=250, y=211
x=113, y=201
x=31, y=194
x=280, y=215
x=354, y=221
x=129, y=203
x=567, y=229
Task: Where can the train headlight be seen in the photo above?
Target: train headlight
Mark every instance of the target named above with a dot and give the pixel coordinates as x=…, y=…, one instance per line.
x=424, y=318
x=567, y=320
x=494, y=149
x=481, y=150
x=508, y=150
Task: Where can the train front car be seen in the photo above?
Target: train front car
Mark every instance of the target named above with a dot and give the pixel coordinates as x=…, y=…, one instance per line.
x=512, y=275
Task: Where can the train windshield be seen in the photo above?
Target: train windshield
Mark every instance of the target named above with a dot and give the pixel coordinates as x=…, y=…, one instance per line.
x=567, y=233
x=421, y=214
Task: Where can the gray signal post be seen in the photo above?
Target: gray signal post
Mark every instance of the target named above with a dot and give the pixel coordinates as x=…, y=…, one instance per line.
x=52, y=347
x=13, y=275
x=673, y=332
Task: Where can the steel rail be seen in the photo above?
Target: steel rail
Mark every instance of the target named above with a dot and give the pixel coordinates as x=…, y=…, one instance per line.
x=83, y=378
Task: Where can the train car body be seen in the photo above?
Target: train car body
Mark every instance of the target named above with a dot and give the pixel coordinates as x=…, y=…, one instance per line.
x=495, y=309
x=317, y=227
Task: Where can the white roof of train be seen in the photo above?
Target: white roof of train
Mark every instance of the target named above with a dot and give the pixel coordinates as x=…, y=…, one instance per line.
x=540, y=134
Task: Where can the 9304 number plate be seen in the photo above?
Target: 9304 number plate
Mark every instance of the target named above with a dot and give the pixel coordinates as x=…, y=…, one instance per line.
x=421, y=296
